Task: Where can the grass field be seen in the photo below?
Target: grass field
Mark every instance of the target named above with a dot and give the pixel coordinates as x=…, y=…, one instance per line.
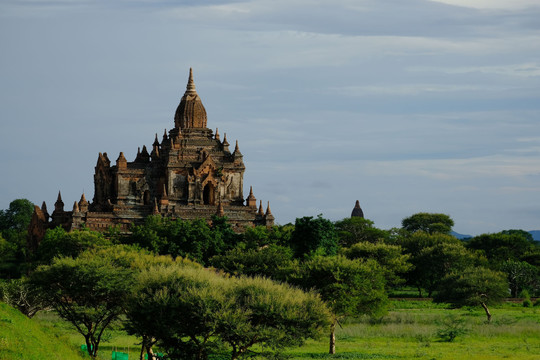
x=408, y=331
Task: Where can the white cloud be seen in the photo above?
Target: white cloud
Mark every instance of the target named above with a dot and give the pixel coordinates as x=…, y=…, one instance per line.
x=492, y=4
x=530, y=69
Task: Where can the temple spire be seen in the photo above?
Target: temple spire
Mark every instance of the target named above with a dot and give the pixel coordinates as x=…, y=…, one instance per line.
x=190, y=112
x=261, y=211
x=59, y=204
x=190, y=88
x=357, y=210
x=251, y=201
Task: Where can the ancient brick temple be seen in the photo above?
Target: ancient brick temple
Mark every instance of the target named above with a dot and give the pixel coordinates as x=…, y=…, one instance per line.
x=190, y=174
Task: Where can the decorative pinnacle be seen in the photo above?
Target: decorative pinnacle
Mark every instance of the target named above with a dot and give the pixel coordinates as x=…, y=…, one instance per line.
x=190, y=88
x=75, y=207
x=225, y=142
x=59, y=199
x=164, y=194
x=156, y=141
x=236, y=149
x=156, y=210
x=261, y=211
x=83, y=199
x=217, y=134
x=268, y=212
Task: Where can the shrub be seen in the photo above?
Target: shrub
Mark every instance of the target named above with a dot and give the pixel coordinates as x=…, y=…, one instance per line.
x=451, y=327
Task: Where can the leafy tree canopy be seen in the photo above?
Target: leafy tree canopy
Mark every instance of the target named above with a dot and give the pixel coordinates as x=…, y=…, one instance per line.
x=521, y=276
x=506, y=245
x=190, y=311
x=473, y=286
x=192, y=239
x=349, y=287
x=272, y=261
x=89, y=292
x=428, y=222
x=353, y=230
x=58, y=242
x=14, y=223
x=17, y=216
x=314, y=236
x=391, y=258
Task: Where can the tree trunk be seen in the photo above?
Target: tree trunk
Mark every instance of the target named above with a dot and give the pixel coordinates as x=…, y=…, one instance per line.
x=333, y=337
x=488, y=314
x=419, y=291
x=89, y=347
x=141, y=357
x=149, y=352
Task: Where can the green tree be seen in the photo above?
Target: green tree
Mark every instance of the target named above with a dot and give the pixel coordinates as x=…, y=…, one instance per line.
x=10, y=261
x=423, y=250
x=503, y=246
x=314, y=236
x=434, y=262
x=428, y=222
x=58, y=242
x=20, y=294
x=191, y=311
x=353, y=230
x=223, y=234
x=349, y=287
x=472, y=287
x=391, y=258
x=17, y=216
x=272, y=315
x=162, y=308
x=14, y=223
x=521, y=276
x=192, y=239
x=273, y=262
x=89, y=291
x=261, y=236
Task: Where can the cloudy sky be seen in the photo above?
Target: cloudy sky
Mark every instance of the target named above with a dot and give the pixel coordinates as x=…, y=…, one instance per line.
x=405, y=105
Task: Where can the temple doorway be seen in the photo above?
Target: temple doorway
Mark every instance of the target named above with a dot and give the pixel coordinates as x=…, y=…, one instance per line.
x=208, y=194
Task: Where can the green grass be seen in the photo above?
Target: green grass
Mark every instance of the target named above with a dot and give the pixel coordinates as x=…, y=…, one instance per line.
x=113, y=340
x=411, y=333
x=26, y=339
x=408, y=331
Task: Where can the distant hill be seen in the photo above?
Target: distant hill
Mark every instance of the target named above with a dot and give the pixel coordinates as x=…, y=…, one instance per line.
x=460, y=236
x=25, y=339
x=535, y=234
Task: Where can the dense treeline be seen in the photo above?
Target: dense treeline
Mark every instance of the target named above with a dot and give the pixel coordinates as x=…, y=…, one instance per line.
x=198, y=288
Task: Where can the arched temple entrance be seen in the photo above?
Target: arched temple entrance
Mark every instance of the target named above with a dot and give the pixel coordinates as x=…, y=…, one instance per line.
x=209, y=194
